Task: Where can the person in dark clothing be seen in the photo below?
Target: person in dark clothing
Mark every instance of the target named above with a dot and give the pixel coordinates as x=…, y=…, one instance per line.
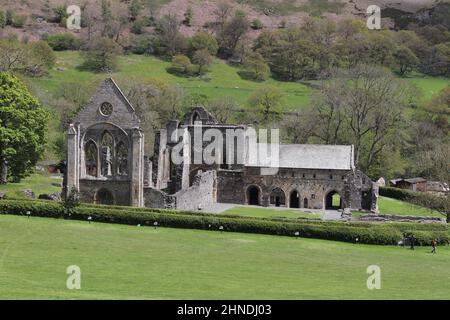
x=433, y=245
x=412, y=240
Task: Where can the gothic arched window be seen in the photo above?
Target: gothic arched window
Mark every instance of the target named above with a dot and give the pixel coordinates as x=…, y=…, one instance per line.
x=122, y=159
x=91, y=158
x=107, y=153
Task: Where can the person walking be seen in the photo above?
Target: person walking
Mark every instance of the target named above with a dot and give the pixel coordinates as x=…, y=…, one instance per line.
x=412, y=240
x=433, y=245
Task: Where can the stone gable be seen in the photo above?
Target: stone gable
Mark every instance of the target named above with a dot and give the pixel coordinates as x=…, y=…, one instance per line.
x=122, y=112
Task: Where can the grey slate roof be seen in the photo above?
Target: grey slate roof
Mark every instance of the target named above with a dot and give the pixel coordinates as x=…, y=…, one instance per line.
x=310, y=156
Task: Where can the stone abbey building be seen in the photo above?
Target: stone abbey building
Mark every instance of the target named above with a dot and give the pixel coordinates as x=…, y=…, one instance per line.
x=106, y=164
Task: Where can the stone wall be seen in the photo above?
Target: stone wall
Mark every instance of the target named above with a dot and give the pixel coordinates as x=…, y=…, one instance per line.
x=398, y=218
x=230, y=187
x=154, y=198
x=120, y=190
x=201, y=194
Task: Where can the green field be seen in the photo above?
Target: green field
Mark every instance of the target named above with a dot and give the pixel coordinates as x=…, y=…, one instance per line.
x=269, y=213
x=125, y=262
x=224, y=79
x=393, y=206
x=39, y=182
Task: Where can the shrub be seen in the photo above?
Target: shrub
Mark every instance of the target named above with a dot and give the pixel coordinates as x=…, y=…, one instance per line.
x=204, y=40
x=101, y=55
x=61, y=42
x=257, y=24
x=339, y=231
x=2, y=19
x=19, y=21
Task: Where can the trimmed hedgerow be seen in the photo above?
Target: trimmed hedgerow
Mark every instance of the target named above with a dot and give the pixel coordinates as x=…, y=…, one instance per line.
x=396, y=193
x=387, y=233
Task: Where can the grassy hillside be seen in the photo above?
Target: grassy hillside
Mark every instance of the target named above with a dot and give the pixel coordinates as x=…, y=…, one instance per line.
x=223, y=79
x=125, y=262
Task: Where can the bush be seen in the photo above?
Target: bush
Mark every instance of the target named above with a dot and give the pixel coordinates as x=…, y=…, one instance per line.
x=2, y=19
x=101, y=55
x=61, y=42
x=387, y=234
x=19, y=21
x=257, y=24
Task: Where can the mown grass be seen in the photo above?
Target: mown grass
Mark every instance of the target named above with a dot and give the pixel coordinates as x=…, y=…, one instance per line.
x=39, y=182
x=393, y=206
x=126, y=262
x=269, y=213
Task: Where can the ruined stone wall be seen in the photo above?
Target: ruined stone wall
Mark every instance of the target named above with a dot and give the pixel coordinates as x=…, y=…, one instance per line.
x=312, y=185
x=154, y=198
x=201, y=194
x=230, y=187
x=120, y=190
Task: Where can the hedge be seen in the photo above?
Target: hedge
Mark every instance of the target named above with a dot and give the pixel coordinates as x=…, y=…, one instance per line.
x=369, y=233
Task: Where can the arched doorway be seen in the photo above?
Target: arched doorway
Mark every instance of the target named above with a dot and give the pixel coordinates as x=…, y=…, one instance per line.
x=253, y=195
x=333, y=201
x=104, y=197
x=277, y=198
x=305, y=203
x=294, y=200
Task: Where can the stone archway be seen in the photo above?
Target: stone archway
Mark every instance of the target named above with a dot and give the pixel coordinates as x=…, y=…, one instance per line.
x=333, y=200
x=253, y=196
x=294, y=199
x=104, y=196
x=277, y=197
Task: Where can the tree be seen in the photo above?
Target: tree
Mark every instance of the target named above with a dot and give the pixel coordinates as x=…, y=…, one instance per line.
x=100, y=55
x=372, y=102
x=233, y=31
x=23, y=124
x=188, y=16
x=181, y=64
x=202, y=58
x=405, y=59
x=170, y=38
x=257, y=24
x=135, y=9
x=204, y=40
x=2, y=19
x=223, y=108
x=43, y=55
x=256, y=67
x=268, y=102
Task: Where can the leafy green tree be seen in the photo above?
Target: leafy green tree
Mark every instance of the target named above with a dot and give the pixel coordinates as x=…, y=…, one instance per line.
x=170, y=38
x=188, y=16
x=181, y=64
x=202, y=58
x=268, y=103
x=23, y=125
x=256, y=67
x=2, y=19
x=135, y=8
x=232, y=33
x=101, y=55
x=204, y=40
x=9, y=17
x=406, y=60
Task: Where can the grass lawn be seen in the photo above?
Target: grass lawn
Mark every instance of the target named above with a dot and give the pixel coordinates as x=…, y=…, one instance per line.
x=269, y=213
x=393, y=206
x=40, y=183
x=125, y=262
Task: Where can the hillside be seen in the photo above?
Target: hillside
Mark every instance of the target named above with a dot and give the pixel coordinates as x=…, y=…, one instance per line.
x=272, y=13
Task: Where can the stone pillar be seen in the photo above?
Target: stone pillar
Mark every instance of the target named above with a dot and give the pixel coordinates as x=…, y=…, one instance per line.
x=374, y=198
x=73, y=159
x=137, y=169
